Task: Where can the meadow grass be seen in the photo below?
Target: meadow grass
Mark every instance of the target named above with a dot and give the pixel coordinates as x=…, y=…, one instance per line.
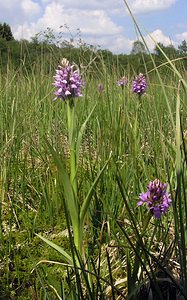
x=124, y=249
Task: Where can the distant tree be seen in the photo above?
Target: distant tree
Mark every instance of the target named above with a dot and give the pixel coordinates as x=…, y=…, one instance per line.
x=3, y=46
x=183, y=48
x=5, y=32
x=138, y=47
x=169, y=50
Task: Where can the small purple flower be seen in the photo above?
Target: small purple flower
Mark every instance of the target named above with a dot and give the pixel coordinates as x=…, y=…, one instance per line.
x=122, y=81
x=139, y=85
x=156, y=197
x=67, y=81
x=100, y=88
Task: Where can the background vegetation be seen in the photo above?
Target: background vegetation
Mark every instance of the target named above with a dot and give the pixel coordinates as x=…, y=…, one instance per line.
x=31, y=53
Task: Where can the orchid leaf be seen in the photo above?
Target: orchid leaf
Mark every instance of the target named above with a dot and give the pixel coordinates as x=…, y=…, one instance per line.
x=67, y=258
x=68, y=191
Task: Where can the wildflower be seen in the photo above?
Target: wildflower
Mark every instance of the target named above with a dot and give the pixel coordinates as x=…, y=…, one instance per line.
x=100, y=88
x=156, y=197
x=122, y=81
x=139, y=85
x=67, y=81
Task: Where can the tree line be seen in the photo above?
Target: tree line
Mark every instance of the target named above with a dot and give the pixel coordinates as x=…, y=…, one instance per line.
x=170, y=50
x=44, y=51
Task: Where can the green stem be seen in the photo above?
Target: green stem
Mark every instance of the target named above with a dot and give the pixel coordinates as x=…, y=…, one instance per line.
x=77, y=230
x=71, y=133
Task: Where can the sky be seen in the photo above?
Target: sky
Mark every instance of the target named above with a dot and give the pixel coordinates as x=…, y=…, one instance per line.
x=103, y=23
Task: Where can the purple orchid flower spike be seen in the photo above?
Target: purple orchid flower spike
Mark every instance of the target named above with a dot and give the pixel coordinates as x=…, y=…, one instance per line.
x=122, y=82
x=139, y=85
x=157, y=198
x=67, y=81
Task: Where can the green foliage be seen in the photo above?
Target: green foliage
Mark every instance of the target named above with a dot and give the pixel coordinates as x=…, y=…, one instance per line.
x=5, y=32
x=138, y=48
x=170, y=50
x=46, y=50
x=183, y=48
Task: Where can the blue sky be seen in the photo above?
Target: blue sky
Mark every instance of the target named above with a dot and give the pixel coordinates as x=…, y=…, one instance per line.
x=101, y=22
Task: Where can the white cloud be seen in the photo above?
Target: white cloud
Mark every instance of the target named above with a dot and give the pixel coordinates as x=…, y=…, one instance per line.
x=45, y=1
x=89, y=21
x=96, y=22
x=157, y=37
x=16, y=11
x=29, y=7
x=116, y=44
x=95, y=25
x=144, y=6
x=25, y=31
x=182, y=36
x=121, y=45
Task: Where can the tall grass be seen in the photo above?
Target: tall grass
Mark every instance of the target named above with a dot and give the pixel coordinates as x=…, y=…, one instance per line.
x=127, y=255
